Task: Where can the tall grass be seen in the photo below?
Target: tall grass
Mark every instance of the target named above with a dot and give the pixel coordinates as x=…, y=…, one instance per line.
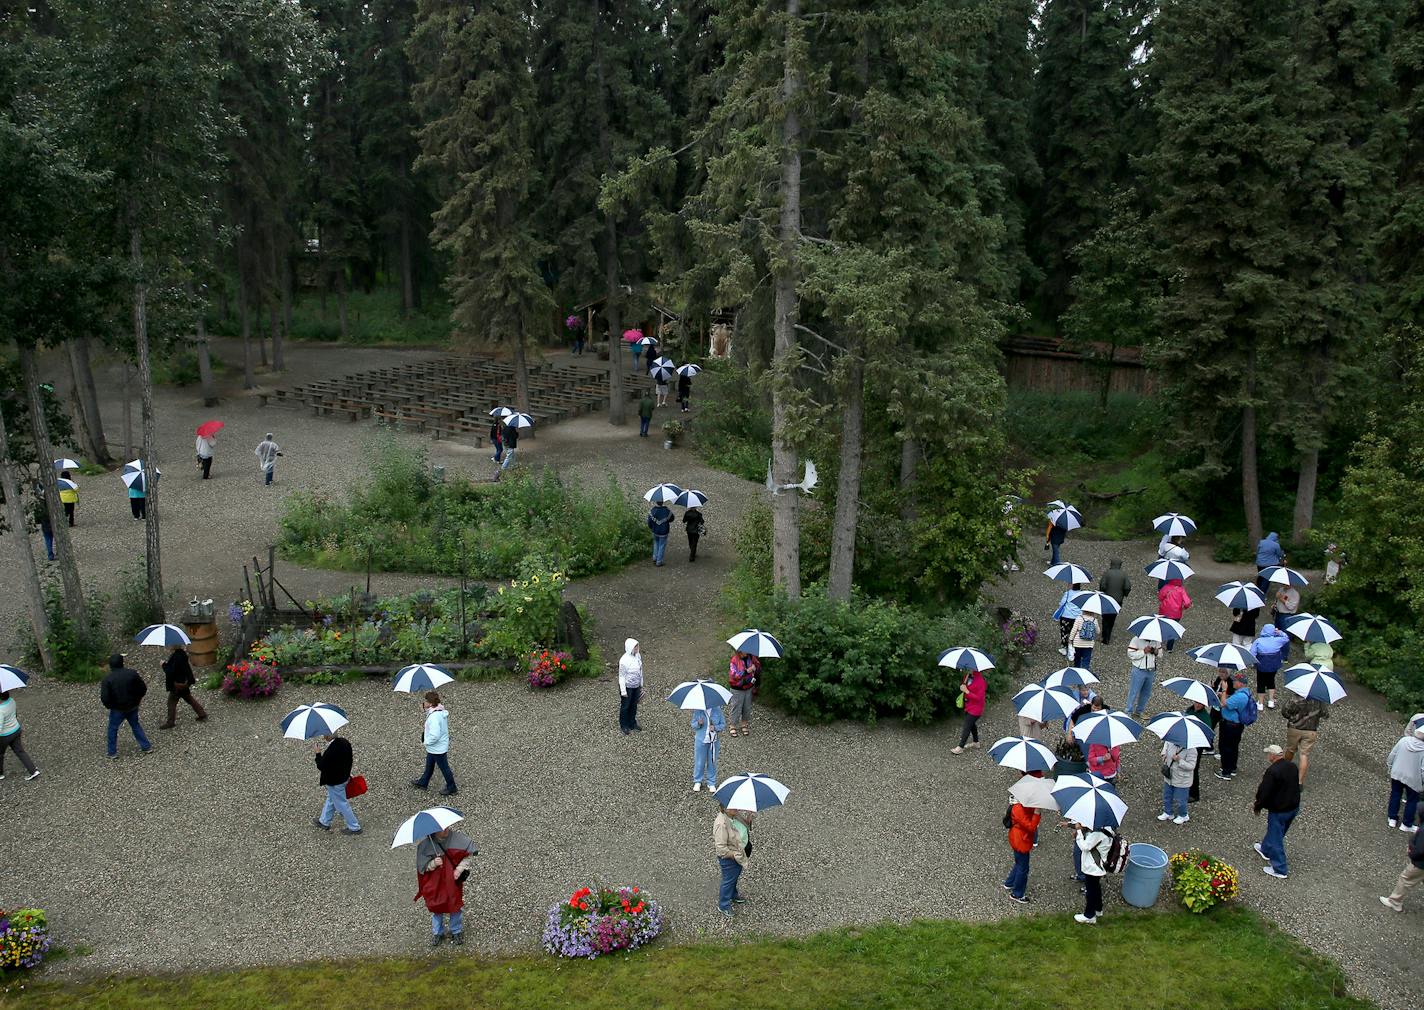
x=372, y=319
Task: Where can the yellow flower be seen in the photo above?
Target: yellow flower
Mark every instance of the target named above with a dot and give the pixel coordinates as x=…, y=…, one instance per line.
x=536, y=580
x=521, y=610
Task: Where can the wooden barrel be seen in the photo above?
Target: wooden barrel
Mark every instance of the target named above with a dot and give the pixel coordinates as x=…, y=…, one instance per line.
x=204, y=650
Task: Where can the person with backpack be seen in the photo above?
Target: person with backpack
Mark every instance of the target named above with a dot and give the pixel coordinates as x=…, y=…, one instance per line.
x=1142, y=655
x=1095, y=844
x=972, y=690
x=742, y=675
x=1022, y=823
x=1083, y=637
x=1412, y=873
x=1173, y=602
x=660, y=522
x=1238, y=710
x=1406, y=778
x=1115, y=583
x=1278, y=795
x=1066, y=613
x=1270, y=651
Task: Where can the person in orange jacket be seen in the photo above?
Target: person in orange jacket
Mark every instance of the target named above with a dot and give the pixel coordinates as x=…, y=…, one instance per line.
x=1023, y=827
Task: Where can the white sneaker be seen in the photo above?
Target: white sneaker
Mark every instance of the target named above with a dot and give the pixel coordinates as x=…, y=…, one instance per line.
x=1384, y=900
x=1409, y=828
x=1393, y=823
x=1164, y=817
x=1080, y=917
x=697, y=787
x=1261, y=852
x=33, y=775
x=1270, y=871
x=1181, y=820
x=1271, y=703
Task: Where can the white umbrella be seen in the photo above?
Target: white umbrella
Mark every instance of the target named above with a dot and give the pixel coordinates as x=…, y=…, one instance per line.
x=1192, y=690
x=500, y=412
x=1223, y=656
x=1181, y=729
x=965, y=658
x=163, y=634
x=663, y=362
x=688, y=370
x=1280, y=575
x=1168, y=570
x=1311, y=681
x=132, y=473
x=306, y=722
x=1110, y=729
x=751, y=792
x=1064, y=516
x=425, y=824
x=12, y=678
x=662, y=373
x=419, y=678
x=1241, y=596
x=1069, y=676
x=1023, y=753
x=1071, y=574
x=1094, y=602
x=1044, y=704
x=1311, y=628
x=65, y=484
x=519, y=421
x=699, y=695
x=757, y=643
x=1031, y=792
x=1156, y=629
x=1174, y=524
x=662, y=494
x=1090, y=800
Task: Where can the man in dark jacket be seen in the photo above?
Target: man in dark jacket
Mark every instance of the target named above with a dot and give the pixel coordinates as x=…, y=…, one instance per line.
x=334, y=762
x=660, y=522
x=121, y=692
x=1116, y=584
x=1412, y=873
x=1278, y=795
x=645, y=414
x=684, y=391
x=178, y=679
x=1303, y=717
x=511, y=446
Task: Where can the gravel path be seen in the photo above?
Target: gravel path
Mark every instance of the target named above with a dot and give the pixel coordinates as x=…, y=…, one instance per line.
x=883, y=823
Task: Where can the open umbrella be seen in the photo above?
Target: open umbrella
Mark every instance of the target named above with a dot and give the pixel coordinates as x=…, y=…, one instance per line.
x=636, y=336
x=756, y=643
x=500, y=412
x=1064, y=516
x=1031, y=792
x=1174, y=524
x=1071, y=574
x=1022, y=752
x=1156, y=628
x=1415, y=721
x=306, y=722
x=66, y=464
x=1168, y=570
x=1181, y=729
x=1044, y=704
x=1310, y=628
x=663, y=362
x=1192, y=690
x=1223, y=655
x=1280, y=575
x=65, y=484
x=163, y=634
x=1094, y=602
x=1310, y=681
x=1241, y=596
x=425, y=824
x=1110, y=729
x=662, y=373
x=518, y=421
x=1090, y=800
x=690, y=499
x=699, y=695
x=12, y=678
x=662, y=494
x=688, y=370
x=209, y=428
x=1069, y=676
x=647, y=342
x=419, y=678
x=751, y=792
x=965, y=658
x=132, y=474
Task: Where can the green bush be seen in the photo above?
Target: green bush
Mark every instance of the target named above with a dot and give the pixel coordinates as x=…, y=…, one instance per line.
x=180, y=368
x=526, y=612
x=1072, y=429
x=372, y=319
x=77, y=657
x=733, y=427
x=132, y=606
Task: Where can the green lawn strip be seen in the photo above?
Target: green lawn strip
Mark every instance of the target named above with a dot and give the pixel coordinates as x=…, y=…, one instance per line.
x=1228, y=959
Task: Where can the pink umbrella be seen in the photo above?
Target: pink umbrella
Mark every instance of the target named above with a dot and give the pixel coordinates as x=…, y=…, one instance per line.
x=632, y=336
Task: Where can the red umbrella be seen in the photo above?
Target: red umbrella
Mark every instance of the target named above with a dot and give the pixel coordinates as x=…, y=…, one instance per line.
x=209, y=428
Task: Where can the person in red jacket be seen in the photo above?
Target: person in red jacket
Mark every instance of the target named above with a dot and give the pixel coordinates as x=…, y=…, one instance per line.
x=442, y=865
x=1173, y=602
x=973, y=687
x=1023, y=825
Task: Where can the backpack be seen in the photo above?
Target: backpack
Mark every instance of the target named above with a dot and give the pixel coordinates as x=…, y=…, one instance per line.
x=1088, y=630
x=1116, y=860
x=1251, y=712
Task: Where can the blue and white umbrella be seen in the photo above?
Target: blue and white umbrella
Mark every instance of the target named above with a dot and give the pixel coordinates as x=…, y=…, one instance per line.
x=646, y=342
x=1064, y=516
x=500, y=412
x=1174, y=524
x=1110, y=729
x=419, y=678
x=1280, y=575
x=425, y=824
x=1022, y=752
x=1069, y=676
x=1224, y=656
x=662, y=373
x=751, y=792
x=163, y=634
x=1192, y=690
x=1181, y=729
x=1310, y=628
x=12, y=678
x=65, y=484
x=1416, y=721
x=690, y=499
x=132, y=474
x=66, y=464
x=964, y=658
x=662, y=362
x=757, y=643
x=1311, y=681
x=1071, y=574
x=1156, y=628
x=1241, y=596
x=518, y=421
x=662, y=494
x=1094, y=602
x=699, y=695
x=1044, y=704
x=688, y=370
x=1168, y=570
x=307, y=722
x=1089, y=800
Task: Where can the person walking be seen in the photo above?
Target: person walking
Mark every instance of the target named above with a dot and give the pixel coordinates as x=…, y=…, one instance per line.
x=1178, y=772
x=496, y=437
x=693, y=523
x=436, y=738
x=267, y=452
x=1406, y=769
x=1142, y=656
x=203, y=447
x=1116, y=583
x=1412, y=873
x=1023, y=829
x=1303, y=716
x=1270, y=652
x=1082, y=638
x=743, y=674
x=1284, y=606
x=660, y=522
x=1069, y=760
x=732, y=842
x=138, y=499
x=1238, y=710
x=1243, y=627
x=972, y=689
x=1278, y=795
x=707, y=727
x=1094, y=844
x=1203, y=713
x=1269, y=554
x=684, y=392
x=662, y=388
x=511, y=446
x=334, y=760
x=40, y=513
x=630, y=686
x=1066, y=613
x=69, y=497
x=443, y=862
x=121, y=692
x=1173, y=602
x=1053, y=538
x=645, y=414
x=10, y=737
x=178, y=679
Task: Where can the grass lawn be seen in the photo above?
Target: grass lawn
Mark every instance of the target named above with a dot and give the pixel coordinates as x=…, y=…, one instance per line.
x=1228, y=960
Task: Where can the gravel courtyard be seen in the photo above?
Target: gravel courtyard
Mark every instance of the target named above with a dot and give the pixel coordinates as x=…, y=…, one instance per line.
x=202, y=854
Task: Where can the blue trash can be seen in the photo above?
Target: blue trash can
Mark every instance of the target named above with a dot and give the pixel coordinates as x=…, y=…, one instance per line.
x=1142, y=880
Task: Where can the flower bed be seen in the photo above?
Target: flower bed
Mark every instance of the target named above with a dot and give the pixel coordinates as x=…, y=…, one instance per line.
x=547, y=668
x=1202, y=881
x=593, y=922
x=24, y=939
x=251, y=678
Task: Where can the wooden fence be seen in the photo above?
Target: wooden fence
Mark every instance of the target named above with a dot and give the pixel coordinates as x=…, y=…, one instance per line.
x=1047, y=365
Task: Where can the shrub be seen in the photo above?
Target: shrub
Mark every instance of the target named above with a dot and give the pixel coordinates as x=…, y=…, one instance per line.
x=251, y=678
x=135, y=611
x=24, y=939
x=1202, y=881
x=592, y=922
x=733, y=429
x=77, y=657
x=526, y=612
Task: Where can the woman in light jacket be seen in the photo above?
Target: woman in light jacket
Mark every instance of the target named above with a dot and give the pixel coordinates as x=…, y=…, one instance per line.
x=707, y=726
x=1178, y=766
x=10, y=737
x=1094, y=844
x=732, y=841
x=630, y=686
x=436, y=737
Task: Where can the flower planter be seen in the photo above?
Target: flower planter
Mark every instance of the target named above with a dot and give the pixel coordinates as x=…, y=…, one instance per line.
x=668, y=443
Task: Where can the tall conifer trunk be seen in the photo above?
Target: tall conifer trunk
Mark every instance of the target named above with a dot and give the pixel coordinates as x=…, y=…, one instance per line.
x=843, y=528
x=153, y=555
x=29, y=576
x=1250, y=480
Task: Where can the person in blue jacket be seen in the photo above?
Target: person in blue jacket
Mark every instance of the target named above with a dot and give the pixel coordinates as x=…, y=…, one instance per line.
x=707, y=728
x=1270, y=650
x=660, y=522
x=1067, y=612
x=1269, y=553
x=1234, y=708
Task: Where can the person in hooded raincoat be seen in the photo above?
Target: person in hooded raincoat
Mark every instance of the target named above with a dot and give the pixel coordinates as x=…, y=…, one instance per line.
x=630, y=686
x=442, y=865
x=1270, y=650
x=1269, y=553
x=1406, y=772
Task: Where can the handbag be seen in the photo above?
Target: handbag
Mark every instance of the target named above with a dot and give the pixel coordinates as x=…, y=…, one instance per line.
x=1166, y=769
x=355, y=786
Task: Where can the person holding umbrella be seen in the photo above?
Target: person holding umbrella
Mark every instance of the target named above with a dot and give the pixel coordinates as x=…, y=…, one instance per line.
x=630, y=686
x=743, y=673
x=1179, y=767
x=1303, y=716
x=178, y=679
x=68, y=495
x=443, y=861
x=1142, y=656
x=12, y=679
x=121, y=691
x=1083, y=637
x=732, y=842
x=207, y=440
x=1238, y=710
x=1023, y=830
x=972, y=689
x=1278, y=795
x=267, y=452
x=1173, y=602
x=435, y=735
x=684, y=387
x=334, y=759
x=707, y=727
x=1094, y=845
x=510, y=443
x=496, y=431
x=1067, y=612
x=660, y=523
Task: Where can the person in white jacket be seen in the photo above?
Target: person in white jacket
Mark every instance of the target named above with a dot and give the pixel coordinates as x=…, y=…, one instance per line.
x=1094, y=844
x=1406, y=779
x=203, y=448
x=630, y=686
x=436, y=738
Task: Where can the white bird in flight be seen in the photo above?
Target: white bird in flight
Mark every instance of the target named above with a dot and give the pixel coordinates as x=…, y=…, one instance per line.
x=807, y=485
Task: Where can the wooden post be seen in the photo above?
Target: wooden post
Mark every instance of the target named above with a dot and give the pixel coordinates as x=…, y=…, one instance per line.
x=463, y=633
